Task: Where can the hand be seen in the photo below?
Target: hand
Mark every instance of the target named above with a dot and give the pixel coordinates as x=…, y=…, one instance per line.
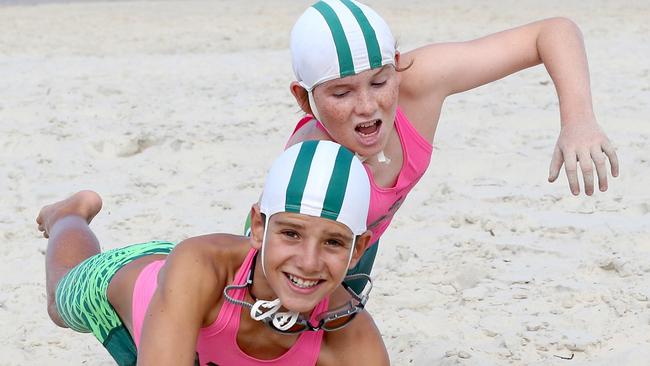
x=586, y=143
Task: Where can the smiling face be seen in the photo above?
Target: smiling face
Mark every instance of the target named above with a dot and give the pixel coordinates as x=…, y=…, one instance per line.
x=359, y=111
x=305, y=258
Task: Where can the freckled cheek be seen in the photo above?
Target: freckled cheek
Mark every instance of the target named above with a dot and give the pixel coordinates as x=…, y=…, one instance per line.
x=338, y=113
x=387, y=97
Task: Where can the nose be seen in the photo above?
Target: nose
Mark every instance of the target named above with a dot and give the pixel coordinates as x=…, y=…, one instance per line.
x=309, y=259
x=366, y=103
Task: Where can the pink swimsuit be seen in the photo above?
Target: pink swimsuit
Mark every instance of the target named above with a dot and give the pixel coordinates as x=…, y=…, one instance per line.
x=217, y=343
x=384, y=202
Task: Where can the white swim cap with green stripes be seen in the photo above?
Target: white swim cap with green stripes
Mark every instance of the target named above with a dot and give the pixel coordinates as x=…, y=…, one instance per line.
x=337, y=38
x=322, y=179
x=316, y=178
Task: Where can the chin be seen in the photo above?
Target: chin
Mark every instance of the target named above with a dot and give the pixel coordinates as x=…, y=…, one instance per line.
x=299, y=306
x=370, y=152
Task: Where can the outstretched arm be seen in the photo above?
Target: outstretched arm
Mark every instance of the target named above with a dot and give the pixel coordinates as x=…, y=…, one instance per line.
x=177, y=310
x=448, y=68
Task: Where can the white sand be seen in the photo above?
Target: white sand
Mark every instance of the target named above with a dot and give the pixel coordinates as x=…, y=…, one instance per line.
x=172, y=110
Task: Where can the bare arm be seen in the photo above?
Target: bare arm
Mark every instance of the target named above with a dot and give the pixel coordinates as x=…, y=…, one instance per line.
x=185, y=293
x=440, y=70
x=359, y=343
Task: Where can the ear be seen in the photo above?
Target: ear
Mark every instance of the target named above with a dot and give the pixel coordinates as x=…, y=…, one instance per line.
x=398, y=67
x=300, y=94
x=257, y=227
x=360, y=246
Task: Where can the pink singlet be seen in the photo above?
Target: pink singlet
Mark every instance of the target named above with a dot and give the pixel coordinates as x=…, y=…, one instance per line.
x=217, y=343
x=384, y=202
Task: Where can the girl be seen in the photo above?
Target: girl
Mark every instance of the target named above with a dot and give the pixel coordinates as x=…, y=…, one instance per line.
x=359, y=91
x=182, y=305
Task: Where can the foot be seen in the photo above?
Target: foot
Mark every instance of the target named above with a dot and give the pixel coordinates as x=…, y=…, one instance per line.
x=85, y=204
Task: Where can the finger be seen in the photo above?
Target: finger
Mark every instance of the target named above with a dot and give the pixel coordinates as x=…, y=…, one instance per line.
x=601, y=168
x=610, y=151
x=587, y=168
x=571, y=169
x=556, y=164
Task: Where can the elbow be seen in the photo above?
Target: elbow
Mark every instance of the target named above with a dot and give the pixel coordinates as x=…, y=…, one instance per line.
x=558, y=33
x=562, y=25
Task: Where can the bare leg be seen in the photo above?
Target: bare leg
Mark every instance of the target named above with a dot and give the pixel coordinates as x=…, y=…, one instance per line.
x=70, y=242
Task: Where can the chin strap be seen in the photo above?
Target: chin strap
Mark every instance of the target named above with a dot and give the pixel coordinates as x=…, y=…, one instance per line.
x=381, y=157
x=312, y=105
x=283, y=320
x=263, y=309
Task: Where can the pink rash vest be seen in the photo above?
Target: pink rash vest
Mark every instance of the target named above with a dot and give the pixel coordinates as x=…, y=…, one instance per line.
x=217, y=343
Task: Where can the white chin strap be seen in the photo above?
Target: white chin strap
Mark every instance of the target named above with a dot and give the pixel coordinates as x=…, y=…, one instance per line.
x=312, y=104
x=263, y=309
x=381, y=157
x=354, y=242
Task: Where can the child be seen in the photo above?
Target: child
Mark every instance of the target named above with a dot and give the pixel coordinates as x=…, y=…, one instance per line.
x=182, y=304
x=359, y=91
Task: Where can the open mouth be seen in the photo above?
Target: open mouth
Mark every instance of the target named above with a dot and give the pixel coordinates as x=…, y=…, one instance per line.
x=302, y=283
x=368, y=128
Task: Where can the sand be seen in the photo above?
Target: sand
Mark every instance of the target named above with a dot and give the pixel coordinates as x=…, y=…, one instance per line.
x=173, y=110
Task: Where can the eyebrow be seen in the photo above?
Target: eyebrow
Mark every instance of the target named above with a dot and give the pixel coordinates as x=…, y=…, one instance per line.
x=343, y=83
x=381, y=69
x=289, y=223
x=339, y=236
x=294, y=225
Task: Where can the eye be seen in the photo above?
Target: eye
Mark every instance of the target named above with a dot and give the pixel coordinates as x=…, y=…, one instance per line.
x=334, y=243
x=340, y=94
x=378, y=83
x=290, y=234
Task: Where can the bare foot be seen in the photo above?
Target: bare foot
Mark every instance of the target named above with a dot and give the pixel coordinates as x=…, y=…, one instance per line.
x=85, y=204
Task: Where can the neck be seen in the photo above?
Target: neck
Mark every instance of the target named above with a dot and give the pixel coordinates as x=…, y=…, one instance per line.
x=260, y=289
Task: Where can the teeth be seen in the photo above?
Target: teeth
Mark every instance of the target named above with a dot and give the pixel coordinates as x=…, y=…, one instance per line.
x=302, y=283
x=367, y=124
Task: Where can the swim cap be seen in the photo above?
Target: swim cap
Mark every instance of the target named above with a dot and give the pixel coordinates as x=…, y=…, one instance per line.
x=322, y=179
x=337, y=38
x=316, y=178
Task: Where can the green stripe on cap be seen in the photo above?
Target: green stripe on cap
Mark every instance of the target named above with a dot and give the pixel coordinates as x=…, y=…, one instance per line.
x=337, y=185
x=346, y=66
x=374, y=54
x=299, y=175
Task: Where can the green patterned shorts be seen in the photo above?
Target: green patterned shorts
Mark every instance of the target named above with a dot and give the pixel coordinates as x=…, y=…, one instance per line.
x=82, y=300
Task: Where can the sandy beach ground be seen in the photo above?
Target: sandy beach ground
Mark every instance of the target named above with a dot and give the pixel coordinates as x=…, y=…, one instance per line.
x=173, y=110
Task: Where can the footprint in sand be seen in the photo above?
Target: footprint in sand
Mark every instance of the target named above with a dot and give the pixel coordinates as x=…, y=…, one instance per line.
x=124, y=148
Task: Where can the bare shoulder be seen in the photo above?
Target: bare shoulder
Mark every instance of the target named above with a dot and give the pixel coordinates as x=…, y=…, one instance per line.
x=219, y=252
x=201, y=267
x=359, y=343
x=309, y=131
x=424, y=75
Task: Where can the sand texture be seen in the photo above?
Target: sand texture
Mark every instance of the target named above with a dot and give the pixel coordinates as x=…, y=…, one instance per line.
x=173, y=110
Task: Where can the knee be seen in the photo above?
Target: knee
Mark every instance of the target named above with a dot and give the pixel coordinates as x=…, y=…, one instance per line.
x=53, y=312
